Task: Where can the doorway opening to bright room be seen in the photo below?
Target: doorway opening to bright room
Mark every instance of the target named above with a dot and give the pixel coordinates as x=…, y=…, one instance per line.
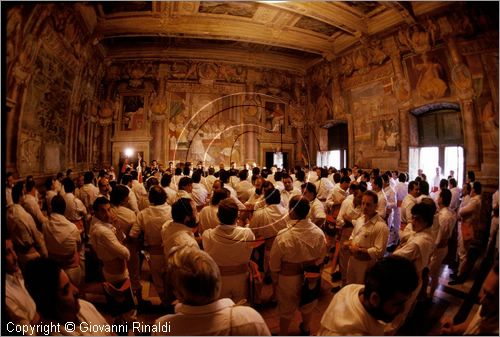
x=440, y=145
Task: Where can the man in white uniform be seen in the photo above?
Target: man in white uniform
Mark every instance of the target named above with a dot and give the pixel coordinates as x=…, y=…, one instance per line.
x=446, y=221
x=368, y=240
x=230, y=246
x=195, y=280
x=150, y=221
x=301, y=244
x=360, y=309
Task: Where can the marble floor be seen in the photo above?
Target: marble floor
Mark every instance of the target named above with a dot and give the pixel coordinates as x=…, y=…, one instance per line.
x=424, y=320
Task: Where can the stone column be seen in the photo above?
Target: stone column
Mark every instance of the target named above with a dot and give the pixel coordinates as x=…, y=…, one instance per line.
x=404, y=137
x=157, y=134
x=105, y=125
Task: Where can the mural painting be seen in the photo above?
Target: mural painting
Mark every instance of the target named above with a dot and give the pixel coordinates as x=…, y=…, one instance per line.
x=203, y=127
x=274, y=116
x=429, y=77
x=47, y=104
x=133, y=116
x=385, y=135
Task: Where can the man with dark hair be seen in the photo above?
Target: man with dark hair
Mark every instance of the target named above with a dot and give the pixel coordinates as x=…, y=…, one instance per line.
x=408, y=202
x=243, y=187
x=357, y=309
x=132, y=202
x=30, y=204
x=300, y=245
x=198, y=192
x=446, y=223
x=300, y=178
x=165, y=181
x=150, y=221
x=289, y=191
x=317, y=213
x=106, y=240
x=231, y=247
x=470, y=215
x=27, y=239
x=377, y=187
x=63, y=240
x=368, y=240
x=126, y=222
x=455, y=195
x=416, y=247
x=19, y=306
x=179, y=231
x=75, y=209
x=9, y=183
x=208, y=215
x=88, y=192
x=57, y=299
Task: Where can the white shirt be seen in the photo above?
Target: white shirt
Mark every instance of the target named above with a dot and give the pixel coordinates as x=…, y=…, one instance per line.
x=317, y=210
x=446, y=221
x=346, y=315
x=287, y=195
x=243, y=190
x=401, y=190
x=126, y=219
x=300, y=241
x=347, y=209
x=31, y=206
x=208, y=217
x=323, y=186
x=471, y=212
x=48, y=199
x=381, y=204
x=22, y=229
x=61, y=235
x=141, y=194
x=336, y=196
x=88, y=194
x=75, y=209
x=228, y=245
x=209, y=182
x=175, y=234
x=371, y=234
x=132, y=201
x=455, y=199
x=268, y=221
x=151, y=220
x=171, y=195
x=105, y=243
x=408, y=202
x=88, y=314
x=418, y=249
x=221, y=317
x=8, y=196
x=20, y=307
x=199, y=194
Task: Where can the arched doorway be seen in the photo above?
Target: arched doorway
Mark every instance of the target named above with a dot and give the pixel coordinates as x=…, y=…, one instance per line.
x=336, y=155
x=440, y=142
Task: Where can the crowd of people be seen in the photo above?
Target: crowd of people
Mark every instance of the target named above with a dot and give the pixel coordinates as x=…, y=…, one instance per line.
x=213, y=237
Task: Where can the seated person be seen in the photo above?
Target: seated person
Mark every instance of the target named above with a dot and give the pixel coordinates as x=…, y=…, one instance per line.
x=57, y=299
x=196, y=282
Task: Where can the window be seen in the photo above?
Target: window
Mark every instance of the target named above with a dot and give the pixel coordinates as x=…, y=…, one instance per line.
x=336, y=156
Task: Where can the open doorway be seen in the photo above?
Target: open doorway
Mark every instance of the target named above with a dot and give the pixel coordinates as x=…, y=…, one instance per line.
x=448, y=158
x=440, y=144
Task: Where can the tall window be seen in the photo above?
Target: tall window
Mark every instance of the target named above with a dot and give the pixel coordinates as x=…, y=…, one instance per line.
x=336, y=156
